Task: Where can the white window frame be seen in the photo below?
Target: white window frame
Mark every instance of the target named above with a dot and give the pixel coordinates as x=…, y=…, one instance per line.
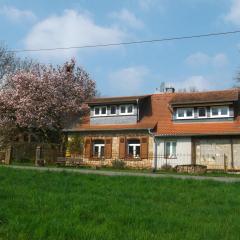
x=171, y=155
x=134, y=145
x=99, y=146
x=185, y=113
x=112, y=114
x=126, y=107
x=219, y=115
x=100, y=111
x=205, y=111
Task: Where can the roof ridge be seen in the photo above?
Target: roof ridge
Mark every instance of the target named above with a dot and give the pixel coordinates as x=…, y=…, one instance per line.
x=210, y=91
x=132, y=96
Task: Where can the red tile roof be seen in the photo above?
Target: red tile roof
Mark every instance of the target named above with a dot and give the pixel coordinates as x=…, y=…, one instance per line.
x=205, y=97
x=157, y=114
x=116, y=100
x=194, y=129
x=166, y=127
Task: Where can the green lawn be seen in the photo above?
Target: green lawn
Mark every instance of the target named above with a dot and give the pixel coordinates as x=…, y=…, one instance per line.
x=47, y=205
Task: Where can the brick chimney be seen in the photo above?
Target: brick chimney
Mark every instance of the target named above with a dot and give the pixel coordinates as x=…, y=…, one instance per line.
x=170, y=90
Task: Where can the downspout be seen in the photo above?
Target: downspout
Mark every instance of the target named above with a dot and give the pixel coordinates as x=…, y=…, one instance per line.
x=137, y=110
x=155, y=150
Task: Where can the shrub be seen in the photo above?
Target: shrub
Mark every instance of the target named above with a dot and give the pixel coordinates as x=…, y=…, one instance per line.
x=75, y=144
x=167, y=167
x=117, y=163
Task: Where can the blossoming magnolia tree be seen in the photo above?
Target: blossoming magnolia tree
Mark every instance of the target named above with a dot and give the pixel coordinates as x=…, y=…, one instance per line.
x=39, y=101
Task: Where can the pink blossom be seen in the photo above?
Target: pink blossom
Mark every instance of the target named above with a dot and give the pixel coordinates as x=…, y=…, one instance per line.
x=44, y=97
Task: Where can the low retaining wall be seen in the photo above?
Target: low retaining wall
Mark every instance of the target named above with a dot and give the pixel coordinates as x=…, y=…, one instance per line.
x=199, y=169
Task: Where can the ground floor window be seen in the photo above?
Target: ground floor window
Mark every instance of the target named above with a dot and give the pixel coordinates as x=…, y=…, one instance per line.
x=171, y=149
x=98, y=148
x=134, y=148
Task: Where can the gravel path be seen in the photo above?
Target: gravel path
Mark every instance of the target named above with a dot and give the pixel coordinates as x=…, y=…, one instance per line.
x=118, y=173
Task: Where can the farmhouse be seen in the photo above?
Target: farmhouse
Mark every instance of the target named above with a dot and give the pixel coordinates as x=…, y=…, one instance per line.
x=152, y=131
x=117, y=128
x=200, y=128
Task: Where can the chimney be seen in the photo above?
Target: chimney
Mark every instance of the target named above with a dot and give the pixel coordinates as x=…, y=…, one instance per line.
x=170, y=90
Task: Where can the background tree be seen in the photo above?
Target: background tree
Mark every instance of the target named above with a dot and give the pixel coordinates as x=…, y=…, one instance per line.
x=39, y=101
x=190, y=89
x=10, y=63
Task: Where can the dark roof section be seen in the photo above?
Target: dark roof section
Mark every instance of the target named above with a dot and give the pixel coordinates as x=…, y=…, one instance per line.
x=205, y=97
x=115, y=100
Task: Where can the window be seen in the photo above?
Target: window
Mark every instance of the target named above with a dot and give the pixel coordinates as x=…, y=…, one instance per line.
x=129, y=109
x=220, y=111
x=96, y=111
x=180, y=113
x=100, y=111
x=113, y=110
x=170, y=149
x=189, y=112
x=183, y=113
x=103, y=110
x=202, y=112
x=134, y=148
x=122, y=109
x=98, y=148
x=126, y=109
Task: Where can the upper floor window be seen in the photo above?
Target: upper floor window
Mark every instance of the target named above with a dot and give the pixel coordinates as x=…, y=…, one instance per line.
x=184, y=113
x=202, y=112
x=100, y=111
x=126, y=109
x=222, y=111
x=113, y=110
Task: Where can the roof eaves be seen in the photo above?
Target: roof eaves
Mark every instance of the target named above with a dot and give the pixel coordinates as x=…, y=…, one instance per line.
x=106, y=129
x=196, y=134
x=116, y=99
x=200, y=102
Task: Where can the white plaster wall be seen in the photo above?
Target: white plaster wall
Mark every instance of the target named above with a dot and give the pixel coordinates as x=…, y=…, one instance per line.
x=212, y=152
x=236, y=153
x=183, y=150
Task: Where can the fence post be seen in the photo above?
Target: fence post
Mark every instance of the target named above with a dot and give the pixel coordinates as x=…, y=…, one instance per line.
x=38, y=155
x=8, y=155
x=225, y=163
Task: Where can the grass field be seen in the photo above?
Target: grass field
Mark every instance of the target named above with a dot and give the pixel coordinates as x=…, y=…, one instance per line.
x=47, y=205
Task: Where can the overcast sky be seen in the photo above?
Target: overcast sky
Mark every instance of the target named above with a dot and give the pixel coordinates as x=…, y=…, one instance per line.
x=206, y=63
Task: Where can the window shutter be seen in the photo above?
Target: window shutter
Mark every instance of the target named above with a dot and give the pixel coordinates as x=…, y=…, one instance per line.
x=144, y=147
x=88, y=147
x=122, y=147
x=108, y=148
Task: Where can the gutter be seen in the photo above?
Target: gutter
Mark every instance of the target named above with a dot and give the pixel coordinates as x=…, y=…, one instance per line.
x=138, y=110
x=175, y=104
x=197, y=134
x=93, y=130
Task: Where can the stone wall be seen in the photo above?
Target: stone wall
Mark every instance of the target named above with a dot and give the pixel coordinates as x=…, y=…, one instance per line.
x=129, y=163
x=198, y=169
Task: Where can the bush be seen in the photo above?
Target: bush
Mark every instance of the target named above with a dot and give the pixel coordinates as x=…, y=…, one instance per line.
x=119, y=164
x=167, y=167
x=75, y=144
